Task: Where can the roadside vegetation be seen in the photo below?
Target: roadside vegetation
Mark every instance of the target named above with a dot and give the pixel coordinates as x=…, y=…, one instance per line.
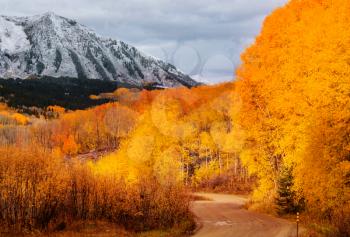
x=280, y=132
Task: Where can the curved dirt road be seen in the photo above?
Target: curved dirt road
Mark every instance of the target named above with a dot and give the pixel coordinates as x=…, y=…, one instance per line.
x=223, y=216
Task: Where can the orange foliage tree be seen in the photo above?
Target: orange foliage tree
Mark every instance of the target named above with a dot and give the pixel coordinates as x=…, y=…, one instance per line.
x=294, y=86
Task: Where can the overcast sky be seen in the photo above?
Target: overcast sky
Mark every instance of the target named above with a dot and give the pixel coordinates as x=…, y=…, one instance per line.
x=202, y=38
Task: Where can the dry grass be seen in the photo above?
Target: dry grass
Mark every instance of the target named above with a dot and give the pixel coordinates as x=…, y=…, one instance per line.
x=196, y=197
x=82, y=229
x=103, y=229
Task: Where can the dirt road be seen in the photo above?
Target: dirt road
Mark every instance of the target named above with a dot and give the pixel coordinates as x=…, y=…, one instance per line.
x=223, y=216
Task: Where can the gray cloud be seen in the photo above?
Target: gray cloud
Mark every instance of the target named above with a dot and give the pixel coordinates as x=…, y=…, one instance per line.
x=203, y=38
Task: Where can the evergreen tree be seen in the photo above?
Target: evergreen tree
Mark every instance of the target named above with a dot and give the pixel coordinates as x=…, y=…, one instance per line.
x=286, y=200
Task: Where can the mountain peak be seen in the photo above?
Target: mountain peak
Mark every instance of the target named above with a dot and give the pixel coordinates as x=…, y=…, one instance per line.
x=52, y=16
x=49, y=14
x=51, y=45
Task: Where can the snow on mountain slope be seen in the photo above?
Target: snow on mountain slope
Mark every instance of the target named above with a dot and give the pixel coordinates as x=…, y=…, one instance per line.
x=13, y=38
x=50, y=45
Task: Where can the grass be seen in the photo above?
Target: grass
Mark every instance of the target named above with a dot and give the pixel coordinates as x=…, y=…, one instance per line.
x=106, y=229
x=163, y=233
x=196, y=197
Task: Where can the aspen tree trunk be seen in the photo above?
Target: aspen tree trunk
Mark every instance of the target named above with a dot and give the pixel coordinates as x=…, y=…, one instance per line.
x=227, y=155
x=206, y=166
x=236, y=164
x=118, y=131
x=182, y=170
x=219, y=155
x=98, y=134
x=206, y=158
x=187, y=172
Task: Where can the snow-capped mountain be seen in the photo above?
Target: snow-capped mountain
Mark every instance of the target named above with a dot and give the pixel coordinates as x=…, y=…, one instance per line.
x=51, y=45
